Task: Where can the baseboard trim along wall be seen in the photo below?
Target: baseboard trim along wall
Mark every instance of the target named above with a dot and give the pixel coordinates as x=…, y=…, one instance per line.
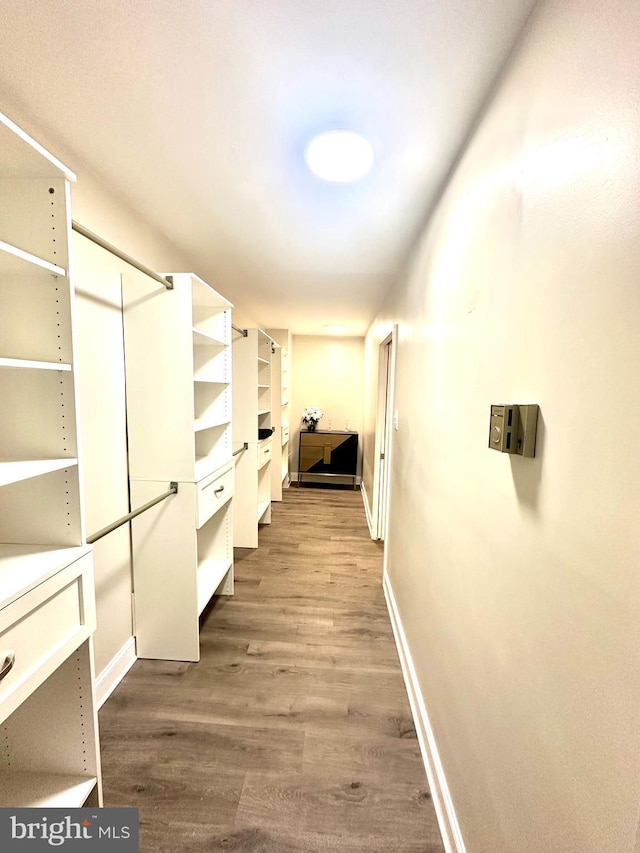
x=367, y=510
x=115, y=671
x=447, y=820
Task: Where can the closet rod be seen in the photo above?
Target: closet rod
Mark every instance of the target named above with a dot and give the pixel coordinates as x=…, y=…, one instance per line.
x=173, y=490
x=243, y=332
x=168, y=283
x=245, y=446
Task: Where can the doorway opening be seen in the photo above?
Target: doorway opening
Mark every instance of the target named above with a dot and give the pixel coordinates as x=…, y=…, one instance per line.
x=384, y=429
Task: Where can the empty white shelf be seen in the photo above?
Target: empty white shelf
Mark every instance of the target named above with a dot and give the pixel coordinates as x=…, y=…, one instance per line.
x=25, y=364
x=15, y=261
x=14, y=470
x=24, y=789
x=212, y=378
x=205, y=465
x=24, y=566
x=211, y=422
x=201, y=338
x=262, y=508
x=210, y=575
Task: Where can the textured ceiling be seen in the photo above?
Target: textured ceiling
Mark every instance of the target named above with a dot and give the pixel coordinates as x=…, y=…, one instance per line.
x=198, y=111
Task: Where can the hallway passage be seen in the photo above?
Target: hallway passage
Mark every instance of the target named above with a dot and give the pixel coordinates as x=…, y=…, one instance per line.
x=293, y=732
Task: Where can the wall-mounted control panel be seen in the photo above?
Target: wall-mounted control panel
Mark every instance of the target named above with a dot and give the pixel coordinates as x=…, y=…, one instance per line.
x=503, y=430
x=512, y=428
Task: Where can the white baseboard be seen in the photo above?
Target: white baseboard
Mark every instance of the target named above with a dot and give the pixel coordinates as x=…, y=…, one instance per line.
x=367, y=511
x=445, y=812
x=115, y=671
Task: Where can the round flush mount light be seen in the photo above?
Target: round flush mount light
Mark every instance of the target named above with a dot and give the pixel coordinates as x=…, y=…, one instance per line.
x=341, y=156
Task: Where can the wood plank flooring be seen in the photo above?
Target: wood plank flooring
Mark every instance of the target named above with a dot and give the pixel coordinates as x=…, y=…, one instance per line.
x=293, y=733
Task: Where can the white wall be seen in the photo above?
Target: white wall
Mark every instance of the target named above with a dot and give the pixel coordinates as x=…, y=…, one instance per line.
x=517, y=581
x=326, y=372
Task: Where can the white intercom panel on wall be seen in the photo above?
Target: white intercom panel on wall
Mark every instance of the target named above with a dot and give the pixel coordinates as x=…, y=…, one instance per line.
x=512, y=429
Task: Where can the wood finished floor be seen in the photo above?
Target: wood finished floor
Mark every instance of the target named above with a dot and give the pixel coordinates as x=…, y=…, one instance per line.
x=293, y=733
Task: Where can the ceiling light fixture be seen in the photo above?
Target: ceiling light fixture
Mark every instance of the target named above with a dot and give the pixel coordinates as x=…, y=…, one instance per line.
x=341, y=156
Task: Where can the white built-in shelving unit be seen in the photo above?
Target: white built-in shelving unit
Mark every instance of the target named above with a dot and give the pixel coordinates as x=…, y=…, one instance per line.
x=179, y=409
x=48, y=722
x=252, y=419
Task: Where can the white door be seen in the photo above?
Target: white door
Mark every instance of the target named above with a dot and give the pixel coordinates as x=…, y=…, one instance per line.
x=385, y=419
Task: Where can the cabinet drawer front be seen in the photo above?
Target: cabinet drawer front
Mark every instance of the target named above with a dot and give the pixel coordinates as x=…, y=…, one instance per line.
x=213, y=493
x=264, y=452
x=42, y=628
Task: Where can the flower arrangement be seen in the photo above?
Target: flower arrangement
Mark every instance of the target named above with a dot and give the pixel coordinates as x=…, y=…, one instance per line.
x=310, y=416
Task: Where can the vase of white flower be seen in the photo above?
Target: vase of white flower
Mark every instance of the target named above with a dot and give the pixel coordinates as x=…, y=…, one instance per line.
x=310, y=417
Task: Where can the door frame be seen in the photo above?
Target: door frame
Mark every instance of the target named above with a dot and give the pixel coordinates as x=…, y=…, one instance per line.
x=384, y=433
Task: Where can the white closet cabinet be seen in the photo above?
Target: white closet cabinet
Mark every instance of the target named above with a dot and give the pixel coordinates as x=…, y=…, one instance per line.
x=179, y=407
x=252, y=425
x=50, y=754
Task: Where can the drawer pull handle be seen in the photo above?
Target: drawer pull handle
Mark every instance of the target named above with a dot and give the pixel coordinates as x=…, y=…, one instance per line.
x=7, y=663
x=218, y=490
